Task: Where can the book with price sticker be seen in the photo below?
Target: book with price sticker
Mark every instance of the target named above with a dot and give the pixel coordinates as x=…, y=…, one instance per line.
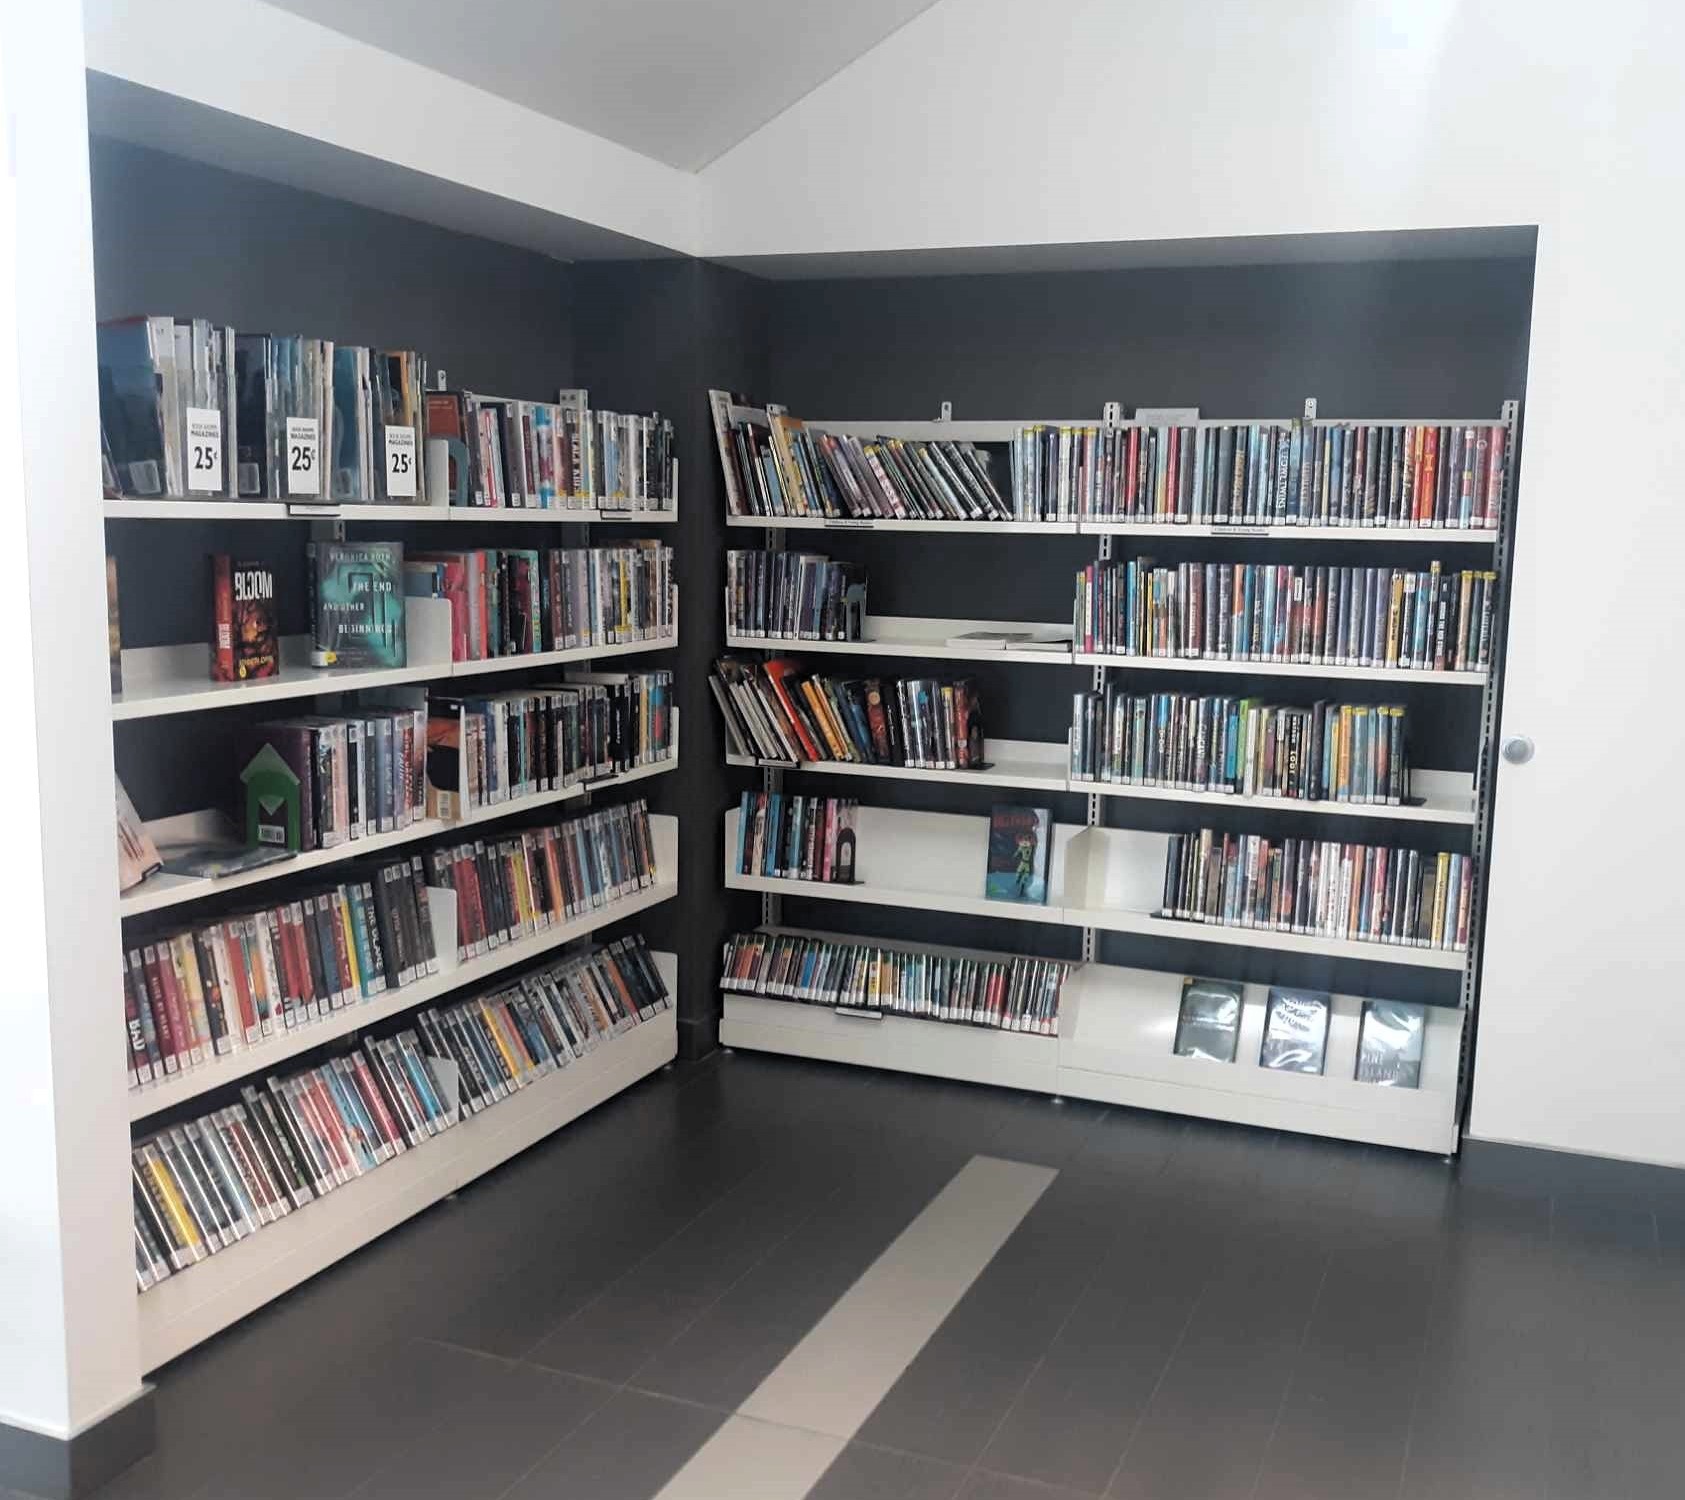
x=357, y=604
x=244, y=643
x=166, y=390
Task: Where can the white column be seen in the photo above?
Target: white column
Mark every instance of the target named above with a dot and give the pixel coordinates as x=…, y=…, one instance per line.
x=69, y=1346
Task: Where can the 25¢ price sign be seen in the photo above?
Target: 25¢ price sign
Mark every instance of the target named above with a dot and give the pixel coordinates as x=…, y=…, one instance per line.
x=204, y=451
x=400, y=462
x=304, y=456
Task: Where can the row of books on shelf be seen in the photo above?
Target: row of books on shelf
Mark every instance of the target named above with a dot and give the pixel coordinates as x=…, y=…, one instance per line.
x=1320, y=887
x=223, y=985
x=208, y=1183
x=1329, y=473
x=1263, y=473
x=1425, y=620
x=1007, y=994
x=203, y=992
x=783, y=469
x=778, y=710
x=1329, y=752
x=191, y=408
x=1295, y=1040
x=488, y=749
x=795, y=837
x=504, y=602
x=794, y=594
x=512, y=601
x=553, y=455
x=513, y=887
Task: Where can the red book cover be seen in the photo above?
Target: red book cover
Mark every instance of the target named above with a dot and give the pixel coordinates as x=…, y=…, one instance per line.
x=159, y=961
x=244, y=643
x=776, y=671
x=234, y=950
x=1427, y=485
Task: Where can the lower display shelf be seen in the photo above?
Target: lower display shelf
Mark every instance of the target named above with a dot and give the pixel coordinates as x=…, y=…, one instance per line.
x=1117, y=1034
x=197, y=1303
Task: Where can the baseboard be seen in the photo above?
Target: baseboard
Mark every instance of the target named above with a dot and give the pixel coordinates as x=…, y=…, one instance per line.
x=1540, y=1172
x=697, y=1038
x=35, y=1463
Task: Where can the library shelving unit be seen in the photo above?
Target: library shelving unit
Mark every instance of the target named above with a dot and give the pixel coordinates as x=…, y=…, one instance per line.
x=172, y=682
x=1117, y=1024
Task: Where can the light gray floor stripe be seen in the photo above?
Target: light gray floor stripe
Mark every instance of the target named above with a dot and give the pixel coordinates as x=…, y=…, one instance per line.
x=789, y=1430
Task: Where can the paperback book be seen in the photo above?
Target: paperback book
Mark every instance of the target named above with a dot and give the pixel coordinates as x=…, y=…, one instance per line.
x=1295, y=1031
x=244, y=642
x=1390, y=1044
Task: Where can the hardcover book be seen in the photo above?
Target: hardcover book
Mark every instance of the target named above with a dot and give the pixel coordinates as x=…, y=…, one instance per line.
x=1389, y=1045
x=1019, y=840
x=1208, y=1025
x=244, y=643
x=1295, y=1031
x=357, y=604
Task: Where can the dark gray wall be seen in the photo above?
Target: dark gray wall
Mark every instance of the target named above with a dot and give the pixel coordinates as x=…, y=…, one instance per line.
x=1424, y=339
x=656, y=335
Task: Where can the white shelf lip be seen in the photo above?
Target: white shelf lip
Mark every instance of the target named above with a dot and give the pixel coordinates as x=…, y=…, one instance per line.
x=164, y=890
x=1316, y=945
x=908, y=900
x=154, y=1098
x=1232, y=666
x=925, y=637
x=1034, y=765
x=222, y=509
x=876, y=523
x=181, y=694
x=1252, y=530
x=1436, y=807
x=1102, y=526
x=194, y=1304
x=558, y=658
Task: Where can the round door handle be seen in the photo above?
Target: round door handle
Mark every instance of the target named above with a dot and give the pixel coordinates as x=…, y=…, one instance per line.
x=1518, y=749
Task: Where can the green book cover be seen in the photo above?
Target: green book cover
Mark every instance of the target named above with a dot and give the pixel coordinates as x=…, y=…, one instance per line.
x=357, y=604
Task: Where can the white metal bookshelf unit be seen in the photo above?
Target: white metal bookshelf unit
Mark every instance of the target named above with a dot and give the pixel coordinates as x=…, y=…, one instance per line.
x=1118, y=1024
x=169, y=681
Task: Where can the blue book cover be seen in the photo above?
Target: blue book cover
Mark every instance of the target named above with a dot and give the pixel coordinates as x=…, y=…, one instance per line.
x=1019, y=841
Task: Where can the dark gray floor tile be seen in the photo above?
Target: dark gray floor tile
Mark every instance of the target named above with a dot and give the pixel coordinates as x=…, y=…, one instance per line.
x=863, y=1473
x=627, y=1450
x=1620, y=1220
x=981, y=1484
x=610, y=1337
x=484, y=1423
x=720, y=1359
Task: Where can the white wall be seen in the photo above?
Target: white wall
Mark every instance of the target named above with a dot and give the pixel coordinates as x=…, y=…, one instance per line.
x=69, y=1350
x=988, y=122
x=457, y=155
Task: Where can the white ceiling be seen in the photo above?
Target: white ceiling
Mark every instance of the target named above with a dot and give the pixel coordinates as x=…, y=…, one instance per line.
x=679, y=80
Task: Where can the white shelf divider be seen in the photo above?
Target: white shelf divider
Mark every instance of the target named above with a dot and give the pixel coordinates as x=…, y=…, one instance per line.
x=216, y=1072
x=165, y=890
x=1110, y=878
x=194, y=1304
x=212, y=509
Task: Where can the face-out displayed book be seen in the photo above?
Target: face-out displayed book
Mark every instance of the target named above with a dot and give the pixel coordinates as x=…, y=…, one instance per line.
x=1208, y=1024
x=1019, y=840
x=1389, y=1046
x=356, y=604
x=1295, y=1031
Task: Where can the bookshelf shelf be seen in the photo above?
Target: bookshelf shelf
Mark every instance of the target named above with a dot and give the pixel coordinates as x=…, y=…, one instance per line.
x=215, y=1073
x=896, y=527
x=1102, y=878
x=193, y=1305
x=925, y=637
x=1232, y=668
x=164, y=890
x=1098, y=526
x=1026, y=764
x=162, y=680
x=282, y=510
x=1114, y=1047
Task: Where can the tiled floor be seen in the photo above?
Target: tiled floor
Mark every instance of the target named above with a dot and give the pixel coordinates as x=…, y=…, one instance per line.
x=1187, y=1313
